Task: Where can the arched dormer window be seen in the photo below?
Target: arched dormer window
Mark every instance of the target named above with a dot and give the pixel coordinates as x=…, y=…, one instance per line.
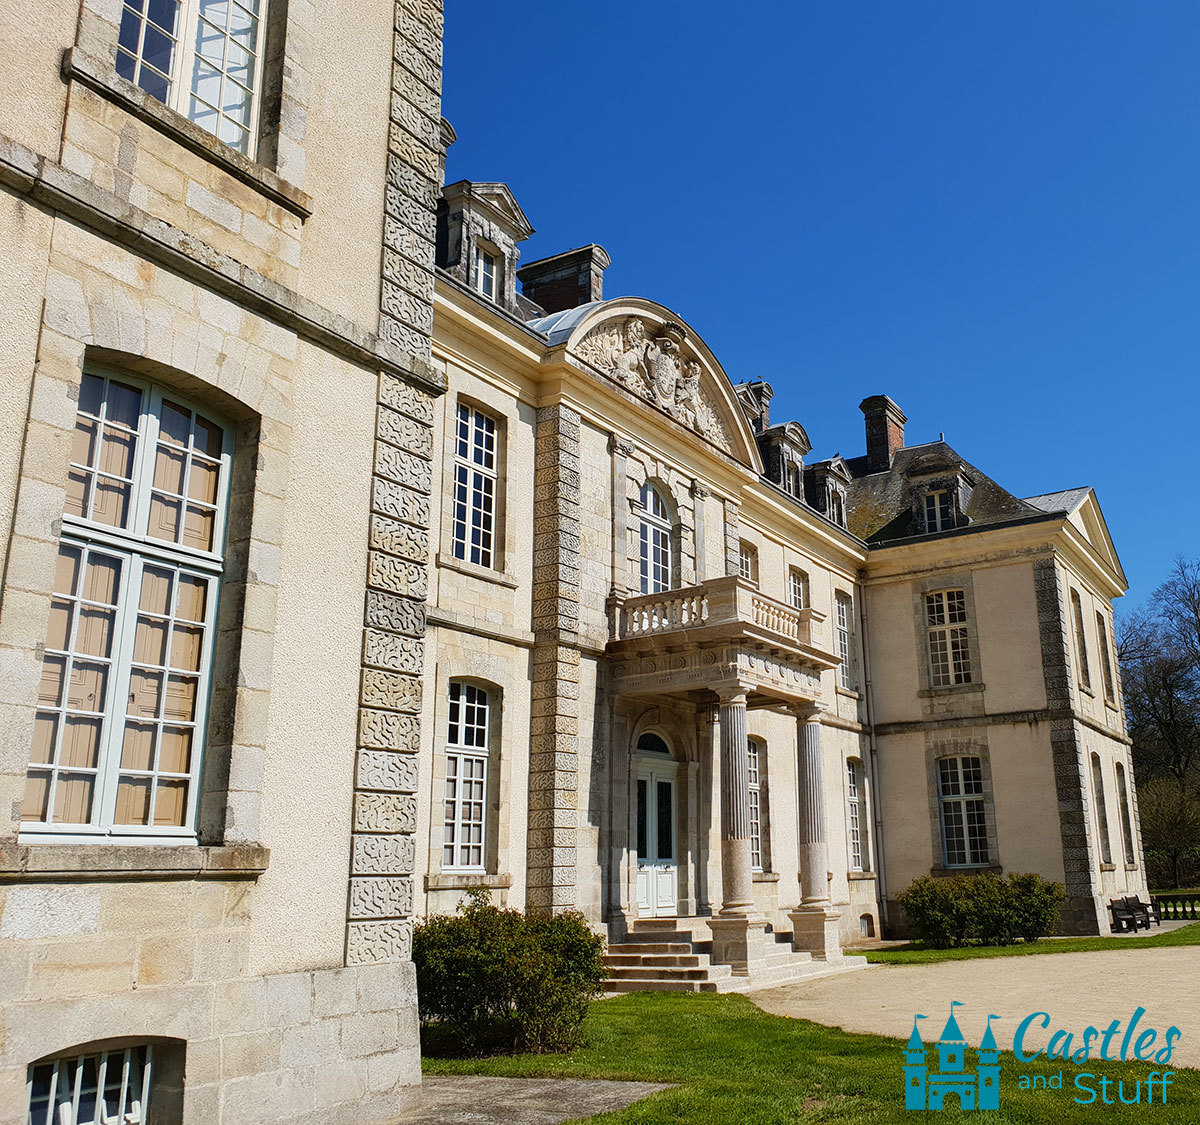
x=654, y=542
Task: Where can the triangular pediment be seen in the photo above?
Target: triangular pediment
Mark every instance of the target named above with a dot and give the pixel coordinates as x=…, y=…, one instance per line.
x=651, y=353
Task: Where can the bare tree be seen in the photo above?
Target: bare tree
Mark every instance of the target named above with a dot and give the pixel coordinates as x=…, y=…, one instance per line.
x=1170, y=818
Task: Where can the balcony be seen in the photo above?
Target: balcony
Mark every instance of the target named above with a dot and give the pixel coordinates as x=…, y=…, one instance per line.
x=722, y=609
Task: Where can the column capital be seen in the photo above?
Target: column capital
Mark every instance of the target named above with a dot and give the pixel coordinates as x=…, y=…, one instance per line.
x=733, y=694
x=619, y=445
x=809, y=712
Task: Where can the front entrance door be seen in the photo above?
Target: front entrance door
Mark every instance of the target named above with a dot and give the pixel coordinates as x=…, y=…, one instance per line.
x=658, y=870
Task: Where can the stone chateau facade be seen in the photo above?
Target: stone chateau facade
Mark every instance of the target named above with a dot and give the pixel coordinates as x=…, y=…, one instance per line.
x=351, y=565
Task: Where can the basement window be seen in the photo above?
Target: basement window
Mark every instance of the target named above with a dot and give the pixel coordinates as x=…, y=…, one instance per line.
x=99, y=1089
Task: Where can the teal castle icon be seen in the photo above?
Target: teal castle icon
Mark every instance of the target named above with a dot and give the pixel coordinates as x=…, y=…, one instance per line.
x=980, y=1090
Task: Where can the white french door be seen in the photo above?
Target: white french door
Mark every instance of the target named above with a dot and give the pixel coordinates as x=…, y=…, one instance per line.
x=656, y=841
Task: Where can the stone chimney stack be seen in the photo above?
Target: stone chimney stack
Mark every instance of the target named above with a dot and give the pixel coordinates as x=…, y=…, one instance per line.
x=447, y=138
x=566, y=280
x=885, y=431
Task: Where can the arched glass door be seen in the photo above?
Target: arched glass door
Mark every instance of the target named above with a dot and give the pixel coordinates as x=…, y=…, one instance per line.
x=656, y=829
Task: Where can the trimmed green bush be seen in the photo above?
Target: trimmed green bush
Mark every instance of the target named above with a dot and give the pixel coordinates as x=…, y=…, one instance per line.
x=492, y=980
x=983, y=909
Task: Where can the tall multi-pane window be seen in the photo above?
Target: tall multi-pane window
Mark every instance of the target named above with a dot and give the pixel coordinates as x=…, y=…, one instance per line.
x=654, y=542
x=473, y=530
x=964, y=825
x=465, y=805
x=120, y=720
x=485, y=273
x=1081, y=652
x=837, y=507
x=844, y=622
x=1101, y=810
x=1106, y=669
x=203, y=58
x=747, y=561
x=756, y=752
x=798, y=593
x=949, y=648
x=939, y=511
x=1126, y=820
x=856, y=816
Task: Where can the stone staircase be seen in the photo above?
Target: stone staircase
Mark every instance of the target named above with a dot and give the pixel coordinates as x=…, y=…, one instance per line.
x=675, y=955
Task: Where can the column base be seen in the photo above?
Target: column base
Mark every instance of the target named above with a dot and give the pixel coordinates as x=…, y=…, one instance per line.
x=737, y=942
x=815, y=930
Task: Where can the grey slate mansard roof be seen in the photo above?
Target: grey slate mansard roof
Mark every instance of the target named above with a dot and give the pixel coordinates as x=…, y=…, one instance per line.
x=881, y=504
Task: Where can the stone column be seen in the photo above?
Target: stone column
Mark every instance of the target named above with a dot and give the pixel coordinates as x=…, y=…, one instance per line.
x=814, y=922
x=737, y=880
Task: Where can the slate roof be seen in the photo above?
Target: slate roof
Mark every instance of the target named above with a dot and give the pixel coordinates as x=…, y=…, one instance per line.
x=1066, y=501
x=881, y=504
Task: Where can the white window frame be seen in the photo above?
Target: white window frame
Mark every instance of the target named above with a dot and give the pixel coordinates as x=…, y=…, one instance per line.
x=1081, y=652
x=1106, y=669
x=66, y=1090
x=837, y=506
x=949, y=641
x=656, y=567
x=856, y=816
x=476, y=487
x=184, y=63
x=939, y=510
x=798, y=588
x=756, y=750
x=137, y=550
x=748, y=561
x=487, y=269
x=960, y=790
x=468, y=762
x=843, y=609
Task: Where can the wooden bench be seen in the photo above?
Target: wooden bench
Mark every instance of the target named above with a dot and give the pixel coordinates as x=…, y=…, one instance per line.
x=1146, y=910
x=1125, y=920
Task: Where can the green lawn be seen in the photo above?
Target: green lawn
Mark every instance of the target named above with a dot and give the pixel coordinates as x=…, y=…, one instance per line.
x=734, y=1064
x=917, y=955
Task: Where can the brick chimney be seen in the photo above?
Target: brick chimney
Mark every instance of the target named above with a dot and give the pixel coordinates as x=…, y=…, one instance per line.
x=885, y=431
x=566, y=280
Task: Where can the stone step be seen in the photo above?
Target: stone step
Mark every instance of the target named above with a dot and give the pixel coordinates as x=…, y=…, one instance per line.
x=651, y=947
x=657, y=972
x=679, y=960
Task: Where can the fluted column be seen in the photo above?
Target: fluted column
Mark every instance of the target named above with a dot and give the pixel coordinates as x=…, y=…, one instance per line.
x=737, y=880
x=814, y=850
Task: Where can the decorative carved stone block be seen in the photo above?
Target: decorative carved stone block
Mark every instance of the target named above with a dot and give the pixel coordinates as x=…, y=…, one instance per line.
x=381, y=898
x=401, y=503
x=382, y=855
x=385, y=812
x=385, y=730
x=401, y=539
x=397, y=576
x=399, y=615
x=388, y=770
x=392, y=690
x=371, y=943
x=397, y=654
x=404, y=468
x=404, y=398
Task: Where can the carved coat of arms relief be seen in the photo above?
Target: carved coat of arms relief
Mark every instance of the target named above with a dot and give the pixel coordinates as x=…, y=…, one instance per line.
x=655, y=362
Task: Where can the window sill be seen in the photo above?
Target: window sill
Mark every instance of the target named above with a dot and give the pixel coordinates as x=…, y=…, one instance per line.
x=849, y=693
x=104, y=81
x=971, y=869
x=1108, y=867
x=1111, y=705
x=766, y=876
x=861, y=876
x=465, y=881
x=1131, y=867
x=951, y=689
x=1086, y=691
x=35, y=863
x=473, y=570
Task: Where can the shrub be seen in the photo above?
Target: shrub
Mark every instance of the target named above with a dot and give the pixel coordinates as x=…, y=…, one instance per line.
x=497, y=979
x=983, y=909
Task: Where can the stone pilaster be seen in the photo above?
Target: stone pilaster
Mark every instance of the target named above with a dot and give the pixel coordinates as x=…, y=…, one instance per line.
x=554, y=722
x=737, y=878
x=1084, y=911
x=699, y=498
x=380, y=902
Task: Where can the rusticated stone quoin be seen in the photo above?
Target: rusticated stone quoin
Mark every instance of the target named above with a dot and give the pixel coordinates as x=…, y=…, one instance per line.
x=379, y=925
x=554, y=725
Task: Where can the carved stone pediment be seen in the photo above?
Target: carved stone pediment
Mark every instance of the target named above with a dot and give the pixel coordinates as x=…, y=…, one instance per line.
x=657, y=363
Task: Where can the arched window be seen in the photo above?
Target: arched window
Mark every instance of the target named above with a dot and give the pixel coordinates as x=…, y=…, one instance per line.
x=654, y=542
x=468, y=742
x=651, y=743
x=128, y=658
x=1101, y=810
x=856, y=816
x=1081, y=652
x=1126, y=820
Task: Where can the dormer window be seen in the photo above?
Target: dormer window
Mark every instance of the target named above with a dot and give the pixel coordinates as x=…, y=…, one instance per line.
x=485, y=273
x=837, y=507
x=939, y=511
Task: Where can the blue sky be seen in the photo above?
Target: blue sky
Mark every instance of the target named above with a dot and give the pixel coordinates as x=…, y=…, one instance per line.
x=989, y=211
